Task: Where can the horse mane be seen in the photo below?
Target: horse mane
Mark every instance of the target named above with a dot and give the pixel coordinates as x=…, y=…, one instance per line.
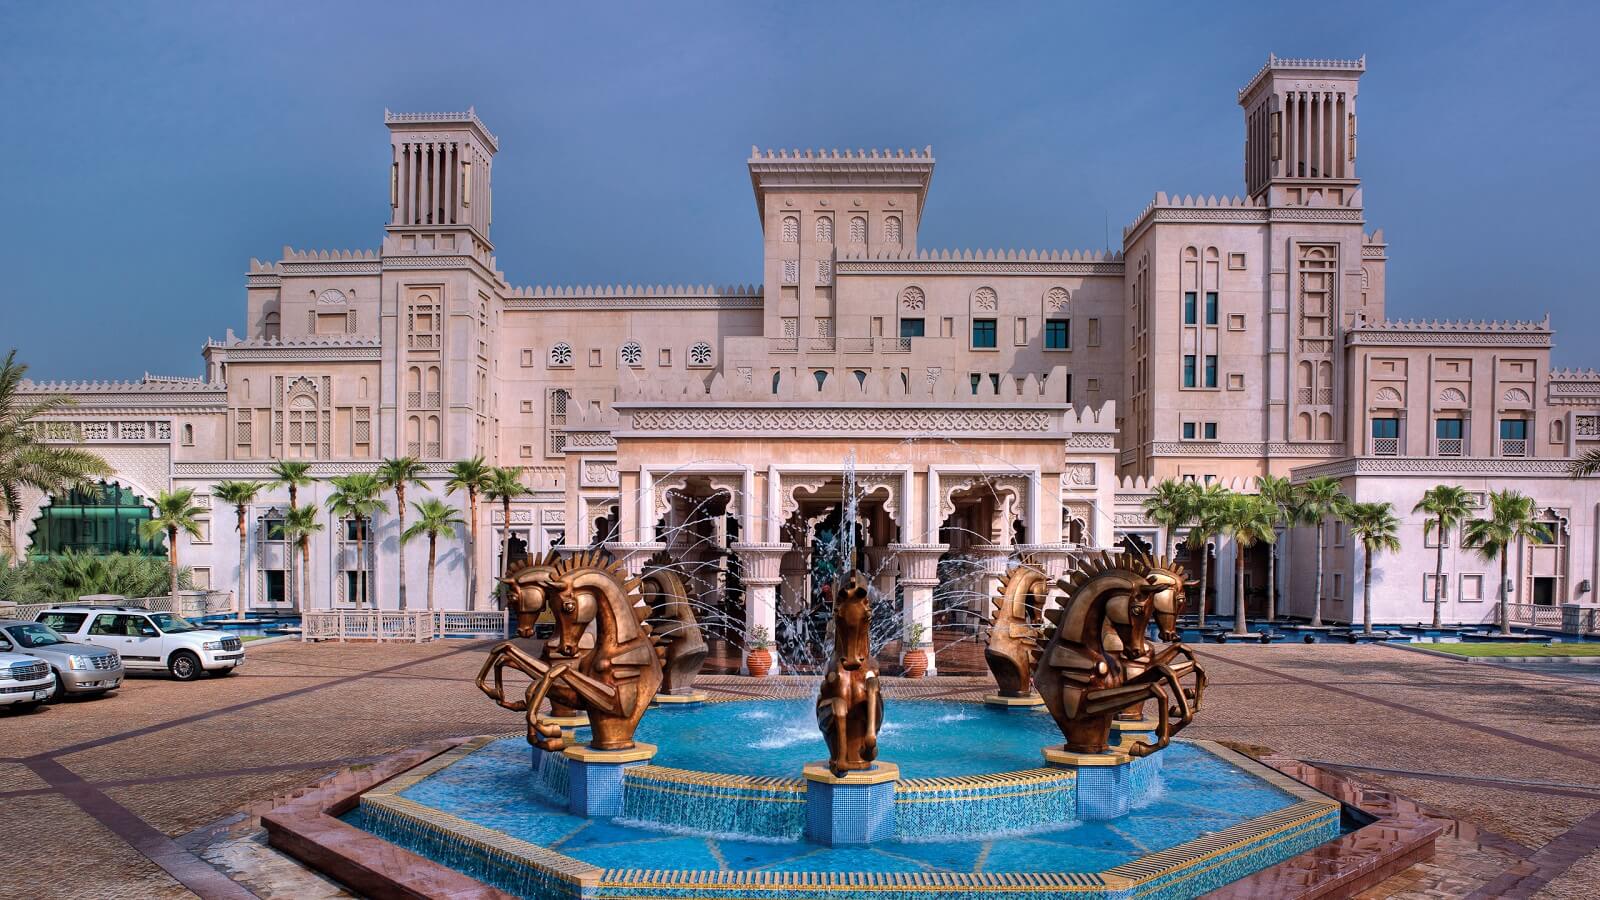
x=1025, y=576
x=549, y=561
x=599, y=560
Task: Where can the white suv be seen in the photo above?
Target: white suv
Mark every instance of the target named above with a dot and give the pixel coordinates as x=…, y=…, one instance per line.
x=25, y=681
x=149, y=640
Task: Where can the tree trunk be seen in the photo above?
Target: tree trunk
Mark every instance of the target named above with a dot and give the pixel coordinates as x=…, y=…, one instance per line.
x=1239, y=623
x=472, y=551
x=505, y=548
x=1505, y=613
x=296, y=602
x=305, y=573
x=433, y=554
x=1205, y=566
x=1366, y=592
x=1316, y=601
x=244, y=579
x=1438, y=577
x=400, y=501
x=1272, y=585
x=15, y=551
x=172, y=566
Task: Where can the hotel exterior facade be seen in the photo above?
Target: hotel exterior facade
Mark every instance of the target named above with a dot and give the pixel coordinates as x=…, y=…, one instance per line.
x=987, y=404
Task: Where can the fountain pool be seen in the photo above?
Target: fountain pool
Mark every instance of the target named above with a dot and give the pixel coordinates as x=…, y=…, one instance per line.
x=719, y=812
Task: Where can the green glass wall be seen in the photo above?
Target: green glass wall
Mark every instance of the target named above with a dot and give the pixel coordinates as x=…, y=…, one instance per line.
x=100, y=519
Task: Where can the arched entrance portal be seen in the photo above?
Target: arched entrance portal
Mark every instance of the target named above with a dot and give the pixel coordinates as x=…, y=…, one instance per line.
x=100, y=518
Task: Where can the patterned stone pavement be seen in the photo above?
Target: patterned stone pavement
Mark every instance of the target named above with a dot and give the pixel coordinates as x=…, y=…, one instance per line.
x=151, y=793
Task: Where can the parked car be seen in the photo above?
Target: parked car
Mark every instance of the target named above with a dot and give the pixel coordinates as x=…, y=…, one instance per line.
x=149, y=640
x=77, y=668
x=25, y=682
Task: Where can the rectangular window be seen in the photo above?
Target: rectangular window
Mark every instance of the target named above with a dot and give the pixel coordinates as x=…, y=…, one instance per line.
x=1057, y=334
x=1428, y=582
x=1211, y=307
x=983, y=333
x=1471, y=588
x=1188, y=370
x=1188, y=431
x=1513, y=429
x=1447, y=428
x=1385, y=428
x=910, y=328
x=277, y=586
x=1338, y=587
x=1211, y=370
x=947, y=327
x=1094, y=332
x=1211, y=431
x=1189, y=308
x=527, y=358
x=1447, y=437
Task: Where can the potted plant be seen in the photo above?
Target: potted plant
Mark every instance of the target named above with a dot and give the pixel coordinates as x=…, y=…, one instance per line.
x=759, y=659
x=915, y=660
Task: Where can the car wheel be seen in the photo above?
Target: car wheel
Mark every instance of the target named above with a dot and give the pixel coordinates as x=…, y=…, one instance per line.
x=185, y=666
x=60, y=693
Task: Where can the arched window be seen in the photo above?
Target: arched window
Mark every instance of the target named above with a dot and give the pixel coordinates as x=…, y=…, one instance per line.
x=561, y=355
x=100, y=518
x=858, y=229
x=791, y=229
x=891, y=229
x=825, y=229
x=905, y=382
x=1558, y=431
x=302, y=440
x=188, y=435
x=776, y=376
x=861, y=377
x=821, y=376
x=270, y=328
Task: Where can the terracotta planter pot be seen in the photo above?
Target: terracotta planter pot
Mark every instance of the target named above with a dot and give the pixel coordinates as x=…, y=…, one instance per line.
x=915, y=662
x=759, y=662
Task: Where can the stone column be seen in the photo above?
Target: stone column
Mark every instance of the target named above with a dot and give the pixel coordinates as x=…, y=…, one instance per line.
x=795, y=570
x=633, y=554
x=884, y=568
x=1055, y=559
x=919, y=574
x=760, y=564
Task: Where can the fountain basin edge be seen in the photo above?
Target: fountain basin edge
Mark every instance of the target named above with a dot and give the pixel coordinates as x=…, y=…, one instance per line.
x=308, y=828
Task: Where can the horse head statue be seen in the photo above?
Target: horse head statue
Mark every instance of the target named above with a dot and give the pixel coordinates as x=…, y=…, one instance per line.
x=683, y=647
x=530, y=588
x=1013, y=639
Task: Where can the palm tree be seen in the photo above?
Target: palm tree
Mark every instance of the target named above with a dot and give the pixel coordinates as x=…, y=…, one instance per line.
x=355, y=497
x=394, y=475
x=299, y=524
x=470, y=475
x=504, y=485
x=1319, y=499
x=292, y=475
x=1585, y=464
x=1445, y=505
x=1209, y=502
x=1171, y=505
x=240, y=494
x=434, y=518
x=1249, y=520
x=1510, y=521
x=25, y=460
x=1281, y=497
x=1375, y=526
x=174, y=511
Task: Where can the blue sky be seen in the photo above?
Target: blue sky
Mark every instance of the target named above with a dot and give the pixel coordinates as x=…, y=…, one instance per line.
x=152, y=148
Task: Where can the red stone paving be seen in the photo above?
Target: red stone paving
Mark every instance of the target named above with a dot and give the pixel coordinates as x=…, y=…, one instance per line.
x=112, y=798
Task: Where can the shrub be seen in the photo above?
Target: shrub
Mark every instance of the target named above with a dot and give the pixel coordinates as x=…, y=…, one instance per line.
x=68, y=576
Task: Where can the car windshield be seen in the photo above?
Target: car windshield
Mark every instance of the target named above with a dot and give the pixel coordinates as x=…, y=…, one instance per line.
x=171, y=624
x=33, y=635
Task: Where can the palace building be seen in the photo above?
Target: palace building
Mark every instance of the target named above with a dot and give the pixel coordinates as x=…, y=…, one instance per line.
x=984, y=404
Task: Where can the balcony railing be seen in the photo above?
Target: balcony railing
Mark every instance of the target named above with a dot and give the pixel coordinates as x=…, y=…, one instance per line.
x=422, y=399
x=823, y=343
x=1448, y=446
x=1385, y=446
x=784, y=344
x=875, y=345
x=1513, y=446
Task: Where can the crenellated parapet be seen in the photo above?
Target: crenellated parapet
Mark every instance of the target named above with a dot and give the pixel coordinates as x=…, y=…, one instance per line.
x=945, y=387
x=1316, y=207
x=1276, y=62
x=1465, y=333
x=643, y=296
x=1574, y=387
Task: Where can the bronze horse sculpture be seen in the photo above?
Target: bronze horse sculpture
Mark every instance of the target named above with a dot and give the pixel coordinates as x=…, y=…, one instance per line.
x=1082, y=673
x=531, y=584
x=1014, y=629
x=850, y=703
x=1164, y=607
x=683, y=647
x=614, y=684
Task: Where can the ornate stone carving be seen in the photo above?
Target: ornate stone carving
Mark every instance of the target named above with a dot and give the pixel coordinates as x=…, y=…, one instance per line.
x=1016, y=486
x=631, y=353
x=1055, y=299
x=700, y=354
x=1079, y=474
x=1517, y=397
x=913, y=299
x=985, y=299
x=1090, y=442
x=599, y=473
x=850, y=420
x=561, y=354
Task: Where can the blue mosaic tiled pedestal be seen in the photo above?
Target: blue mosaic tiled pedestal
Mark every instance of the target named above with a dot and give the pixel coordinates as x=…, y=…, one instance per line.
x=594, y=778
x=1109, y=784
x=854, y=808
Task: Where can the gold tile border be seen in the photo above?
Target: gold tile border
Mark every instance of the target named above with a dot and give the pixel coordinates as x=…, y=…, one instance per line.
x=1190, y=859
x=767, y=783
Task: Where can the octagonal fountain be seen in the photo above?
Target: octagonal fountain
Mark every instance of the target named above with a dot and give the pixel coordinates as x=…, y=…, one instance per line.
x=639, y=786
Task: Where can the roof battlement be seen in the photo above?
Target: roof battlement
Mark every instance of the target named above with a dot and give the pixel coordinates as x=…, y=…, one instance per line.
x=1284, y=63
x=1463, y=325
x=987, y=256
x=469, y=117
x=147, y=385
x=925, y=155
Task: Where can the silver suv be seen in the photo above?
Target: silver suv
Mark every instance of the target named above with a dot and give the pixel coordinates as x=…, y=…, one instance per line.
x=77, y=668
x=25, y=682
x=149, y=640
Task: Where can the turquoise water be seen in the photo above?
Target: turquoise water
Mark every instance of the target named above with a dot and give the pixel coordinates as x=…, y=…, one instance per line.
x=925, y=738
x=1197, y=794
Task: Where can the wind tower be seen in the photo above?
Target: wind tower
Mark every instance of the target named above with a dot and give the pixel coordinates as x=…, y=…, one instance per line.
x=1300, y=130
